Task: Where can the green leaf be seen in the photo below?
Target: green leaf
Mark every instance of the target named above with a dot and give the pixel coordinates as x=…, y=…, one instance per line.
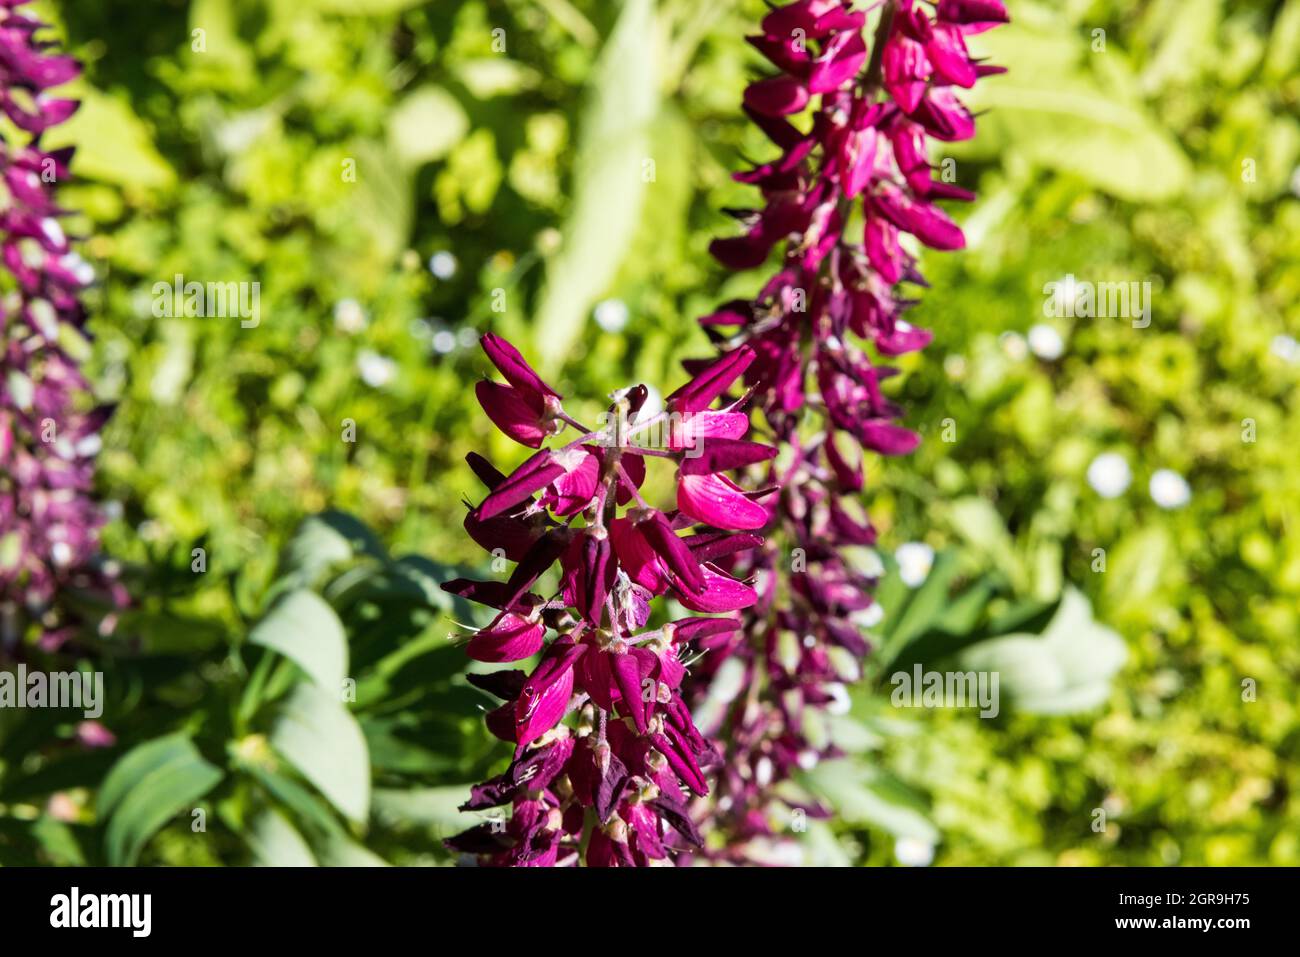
x=149, y=787
x=139, y=763
x=1284, y=42
x=1072, y=124
x=340, y=851
x=304, y=628
x=382, y=209
x=276, y=843
x=1136, y=566
x=609, y=182
x=491, y=76
x=426, y=125
x=113, y=144
x=435, y=808
x=318, y=736
x=922, y=609
x=363, y=8
x=979, y=524
x=861, y=795
x=1065, y=670
x=58, y=841
x=308, y=808
x=325, y=540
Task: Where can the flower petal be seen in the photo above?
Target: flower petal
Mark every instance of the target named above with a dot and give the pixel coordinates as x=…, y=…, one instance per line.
x=510, y=413
x=723, y=455
x=517, y=371
x=716, y=500
x=535, y=473
x=710, y=382
x=720, y=593
x=509, y=638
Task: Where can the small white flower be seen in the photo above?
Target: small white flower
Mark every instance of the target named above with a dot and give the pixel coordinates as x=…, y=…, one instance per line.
x=1109, y=475
x=955, y=366
x=349, y=317
x=444, y=341
x=611, y=314
x=1013, y=344
x=443, y=265
x=61, y=552
x=1169, y=489
x=915, y=559
x=376, y=370
x=1285, y=348
x=913, y=852
x=1046, y=343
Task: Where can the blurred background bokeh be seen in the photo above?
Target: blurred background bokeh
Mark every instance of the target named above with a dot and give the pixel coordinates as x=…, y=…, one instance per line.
x=401, y=176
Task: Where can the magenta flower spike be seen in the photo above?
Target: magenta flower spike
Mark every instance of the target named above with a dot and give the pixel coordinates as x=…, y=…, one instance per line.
x=853, y=128
x=604, y=744
x=49, y=434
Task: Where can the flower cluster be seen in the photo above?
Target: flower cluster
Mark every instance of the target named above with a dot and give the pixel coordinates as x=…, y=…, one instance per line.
x=838, y=201
x=48, y=436
x=624, y=768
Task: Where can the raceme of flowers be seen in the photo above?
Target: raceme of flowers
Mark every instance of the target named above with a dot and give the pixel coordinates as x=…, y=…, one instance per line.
x=838, y=199
x=625, y=767
x=49, y=435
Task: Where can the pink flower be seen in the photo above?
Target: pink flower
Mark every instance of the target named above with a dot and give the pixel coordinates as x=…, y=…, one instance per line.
x=831, y=300
x=598, y=722
x=49, y=436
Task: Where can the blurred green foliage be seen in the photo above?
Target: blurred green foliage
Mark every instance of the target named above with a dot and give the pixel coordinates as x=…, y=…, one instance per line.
x=399, y=176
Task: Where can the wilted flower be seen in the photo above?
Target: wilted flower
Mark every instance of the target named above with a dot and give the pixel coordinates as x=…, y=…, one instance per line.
x=629, y=763
x=834, y=291
x=49, y=521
